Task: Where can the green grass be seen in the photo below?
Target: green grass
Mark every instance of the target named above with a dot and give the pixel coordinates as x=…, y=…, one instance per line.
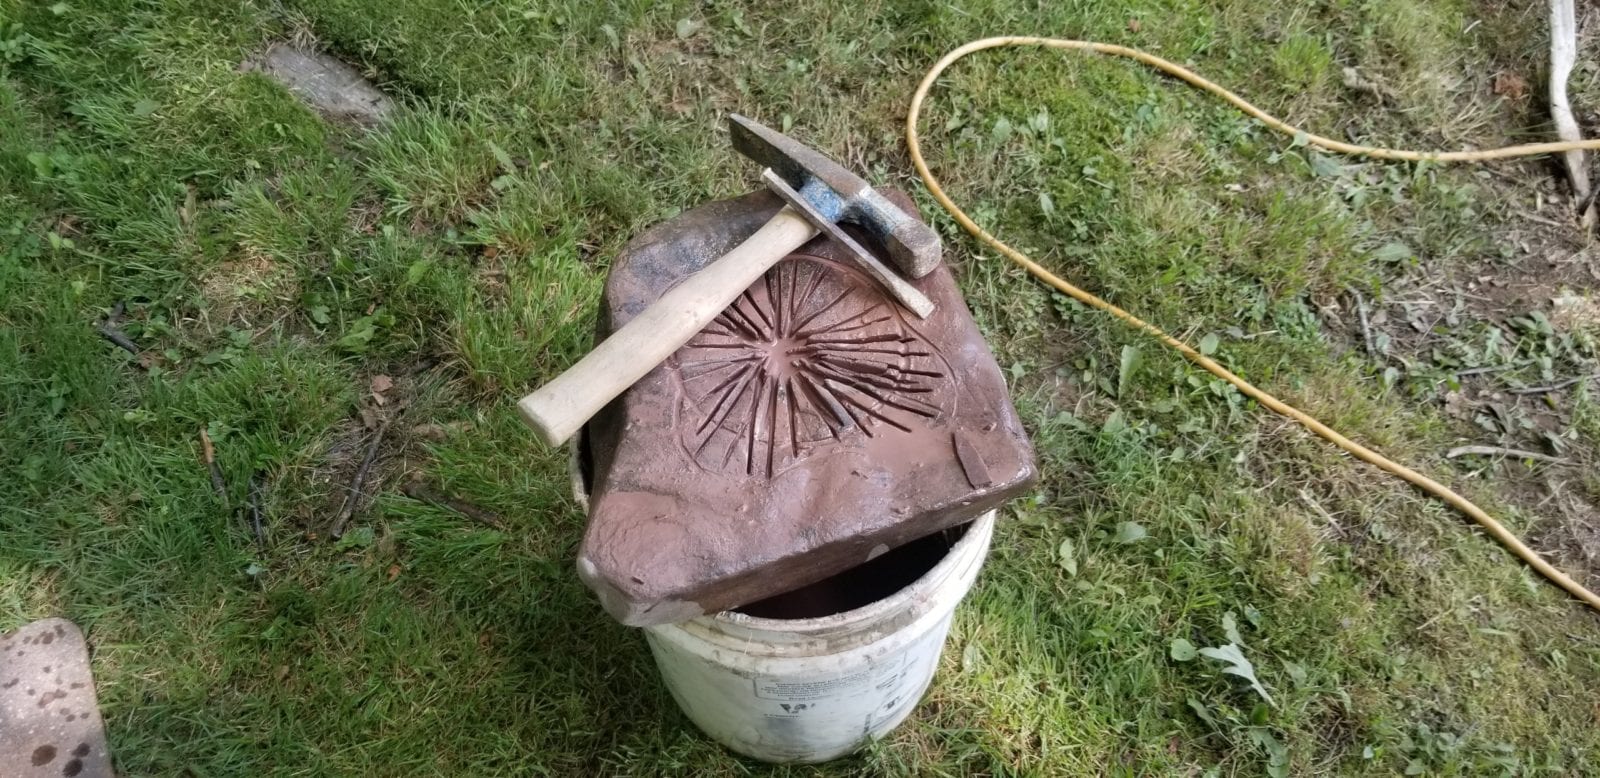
x=274, y=264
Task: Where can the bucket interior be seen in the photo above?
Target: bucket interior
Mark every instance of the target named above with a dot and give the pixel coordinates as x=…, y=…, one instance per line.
x=861, y=585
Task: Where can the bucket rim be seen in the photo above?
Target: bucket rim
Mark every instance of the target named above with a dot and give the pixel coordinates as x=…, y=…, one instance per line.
x=976, y=533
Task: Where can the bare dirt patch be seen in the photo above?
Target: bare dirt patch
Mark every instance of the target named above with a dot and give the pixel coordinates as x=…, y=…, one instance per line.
x=245, y=287
x=1570, y=537
x=366, y=455
x=1497, y=344
x=1505, y=347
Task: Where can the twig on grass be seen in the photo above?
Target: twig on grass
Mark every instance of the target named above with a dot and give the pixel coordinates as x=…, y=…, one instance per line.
x=1311, y=502
x=1490, y=369
x=421, y=492
x=1366, y=325
x=1493, y=451
x=1547, y=222
x=354, y=492
x=257, y=526
x=1435, y=618
x=210, y=453
x=108, y=330
x=1555, y=387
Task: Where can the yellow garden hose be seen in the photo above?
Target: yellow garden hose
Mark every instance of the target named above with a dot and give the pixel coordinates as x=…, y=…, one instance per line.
x=1427, y=484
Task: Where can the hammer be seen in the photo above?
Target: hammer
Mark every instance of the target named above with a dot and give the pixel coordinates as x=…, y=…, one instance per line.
x=820, y=195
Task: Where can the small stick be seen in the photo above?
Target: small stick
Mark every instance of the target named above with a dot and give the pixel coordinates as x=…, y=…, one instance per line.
x=1366, y=326
x=1489, y=369
x=1499, y=451
x=1557, y=386
x=210, y=453
x=1333, y=523
x=421, y=492
x=354, y=494
x=1430, y=622
x=256, y=525
x=1549, y=222
x=108, y=330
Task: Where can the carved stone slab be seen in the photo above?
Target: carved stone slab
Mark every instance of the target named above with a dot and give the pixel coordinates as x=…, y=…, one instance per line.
x=814, y=425
x=49, y=720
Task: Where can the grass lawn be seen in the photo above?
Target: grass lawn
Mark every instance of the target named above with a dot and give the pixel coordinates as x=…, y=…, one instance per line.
x=291, y=282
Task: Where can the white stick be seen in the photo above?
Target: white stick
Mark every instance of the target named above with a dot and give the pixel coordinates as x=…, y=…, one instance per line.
x=560, y=408
x=1497, y=451
x=1563, y=53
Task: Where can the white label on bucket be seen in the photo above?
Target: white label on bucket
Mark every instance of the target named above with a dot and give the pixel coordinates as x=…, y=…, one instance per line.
x=882, y=677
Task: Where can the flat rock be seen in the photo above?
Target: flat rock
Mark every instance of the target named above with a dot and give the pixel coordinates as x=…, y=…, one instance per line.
x=328, y=85
x=50, y=721
x=814, y=425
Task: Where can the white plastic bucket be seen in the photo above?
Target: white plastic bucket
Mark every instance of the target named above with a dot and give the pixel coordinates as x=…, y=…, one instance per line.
x=814, y=689
x=817, y=688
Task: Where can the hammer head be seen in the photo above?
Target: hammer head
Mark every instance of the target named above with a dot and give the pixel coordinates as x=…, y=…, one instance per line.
x=839, y=195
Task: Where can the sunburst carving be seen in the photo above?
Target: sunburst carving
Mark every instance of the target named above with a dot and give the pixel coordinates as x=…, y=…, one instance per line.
x=812, y=356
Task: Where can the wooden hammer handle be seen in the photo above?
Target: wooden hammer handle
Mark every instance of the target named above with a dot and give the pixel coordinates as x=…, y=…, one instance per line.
x=560, y=408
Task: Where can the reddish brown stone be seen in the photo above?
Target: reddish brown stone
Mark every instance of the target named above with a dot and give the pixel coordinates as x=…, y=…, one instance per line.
x=813, y=425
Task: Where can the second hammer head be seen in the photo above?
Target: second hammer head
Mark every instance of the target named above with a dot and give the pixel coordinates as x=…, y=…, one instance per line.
x=840, y=195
